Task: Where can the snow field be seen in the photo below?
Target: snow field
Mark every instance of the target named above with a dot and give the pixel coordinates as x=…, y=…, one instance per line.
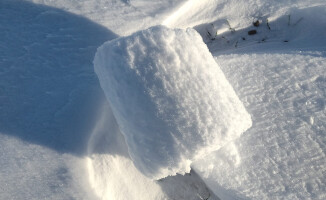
x=48, y=98
x=49, y=95
x=30, y=171
x=282, y=86
x=283, y=153
x=172, y=102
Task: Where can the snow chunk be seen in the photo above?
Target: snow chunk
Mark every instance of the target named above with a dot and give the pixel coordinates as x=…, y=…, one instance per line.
x=171, y=100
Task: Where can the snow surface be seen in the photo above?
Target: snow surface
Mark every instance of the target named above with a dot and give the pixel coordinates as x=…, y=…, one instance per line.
x=239, y=13
x=30, y=171
x=171, y=100
x=48, y=100
x=282, y=155
x=121, y=16
x=58, y=139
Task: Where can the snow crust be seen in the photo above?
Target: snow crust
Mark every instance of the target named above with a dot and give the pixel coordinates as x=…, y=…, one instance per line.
x=282, y=84
x=172, y=102
x=283, y=155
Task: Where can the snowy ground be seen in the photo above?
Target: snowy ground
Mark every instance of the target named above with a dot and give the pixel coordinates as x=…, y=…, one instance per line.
x=59, y=138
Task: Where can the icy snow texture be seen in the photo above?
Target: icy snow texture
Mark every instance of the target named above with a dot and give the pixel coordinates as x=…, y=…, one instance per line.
x=283, y=154
x=283, y=87
x=171, y=100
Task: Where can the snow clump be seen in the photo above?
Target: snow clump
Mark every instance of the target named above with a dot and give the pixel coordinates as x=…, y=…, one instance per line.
x=171, y=100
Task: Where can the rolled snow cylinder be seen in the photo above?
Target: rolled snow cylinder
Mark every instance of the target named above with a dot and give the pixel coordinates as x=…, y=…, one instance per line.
x=171, y=100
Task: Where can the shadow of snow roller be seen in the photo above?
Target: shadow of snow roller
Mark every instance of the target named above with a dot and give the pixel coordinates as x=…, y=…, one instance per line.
x=171, y=100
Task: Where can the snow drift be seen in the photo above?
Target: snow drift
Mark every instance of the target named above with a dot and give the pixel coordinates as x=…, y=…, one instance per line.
x=172, y=102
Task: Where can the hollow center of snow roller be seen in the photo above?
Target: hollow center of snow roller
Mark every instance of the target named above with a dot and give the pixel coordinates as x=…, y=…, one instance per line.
x=171, y=100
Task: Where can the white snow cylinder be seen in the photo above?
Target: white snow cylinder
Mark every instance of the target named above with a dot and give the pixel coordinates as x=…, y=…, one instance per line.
x=171, y=100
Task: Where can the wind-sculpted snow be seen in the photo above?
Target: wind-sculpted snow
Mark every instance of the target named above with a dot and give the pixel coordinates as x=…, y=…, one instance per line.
x=122, y=16
x=283, y=86
x=283, y=154
x=49, y=98
x=171, y=100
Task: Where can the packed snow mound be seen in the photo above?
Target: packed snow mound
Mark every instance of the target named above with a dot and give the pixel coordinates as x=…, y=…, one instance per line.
x=171, y=100
x=113, y=175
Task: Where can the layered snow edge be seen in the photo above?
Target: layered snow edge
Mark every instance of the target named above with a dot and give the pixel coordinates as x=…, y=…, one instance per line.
x=171, y=100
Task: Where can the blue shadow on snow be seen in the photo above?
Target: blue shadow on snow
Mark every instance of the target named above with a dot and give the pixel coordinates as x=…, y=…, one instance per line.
x=49, y=93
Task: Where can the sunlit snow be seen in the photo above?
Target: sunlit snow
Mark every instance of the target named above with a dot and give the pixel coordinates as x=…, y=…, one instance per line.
x=59, y=138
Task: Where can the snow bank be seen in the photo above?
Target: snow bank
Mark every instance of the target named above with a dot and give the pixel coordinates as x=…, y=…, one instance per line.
x=123, y=17
x=238, y=13
x=171, y=100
